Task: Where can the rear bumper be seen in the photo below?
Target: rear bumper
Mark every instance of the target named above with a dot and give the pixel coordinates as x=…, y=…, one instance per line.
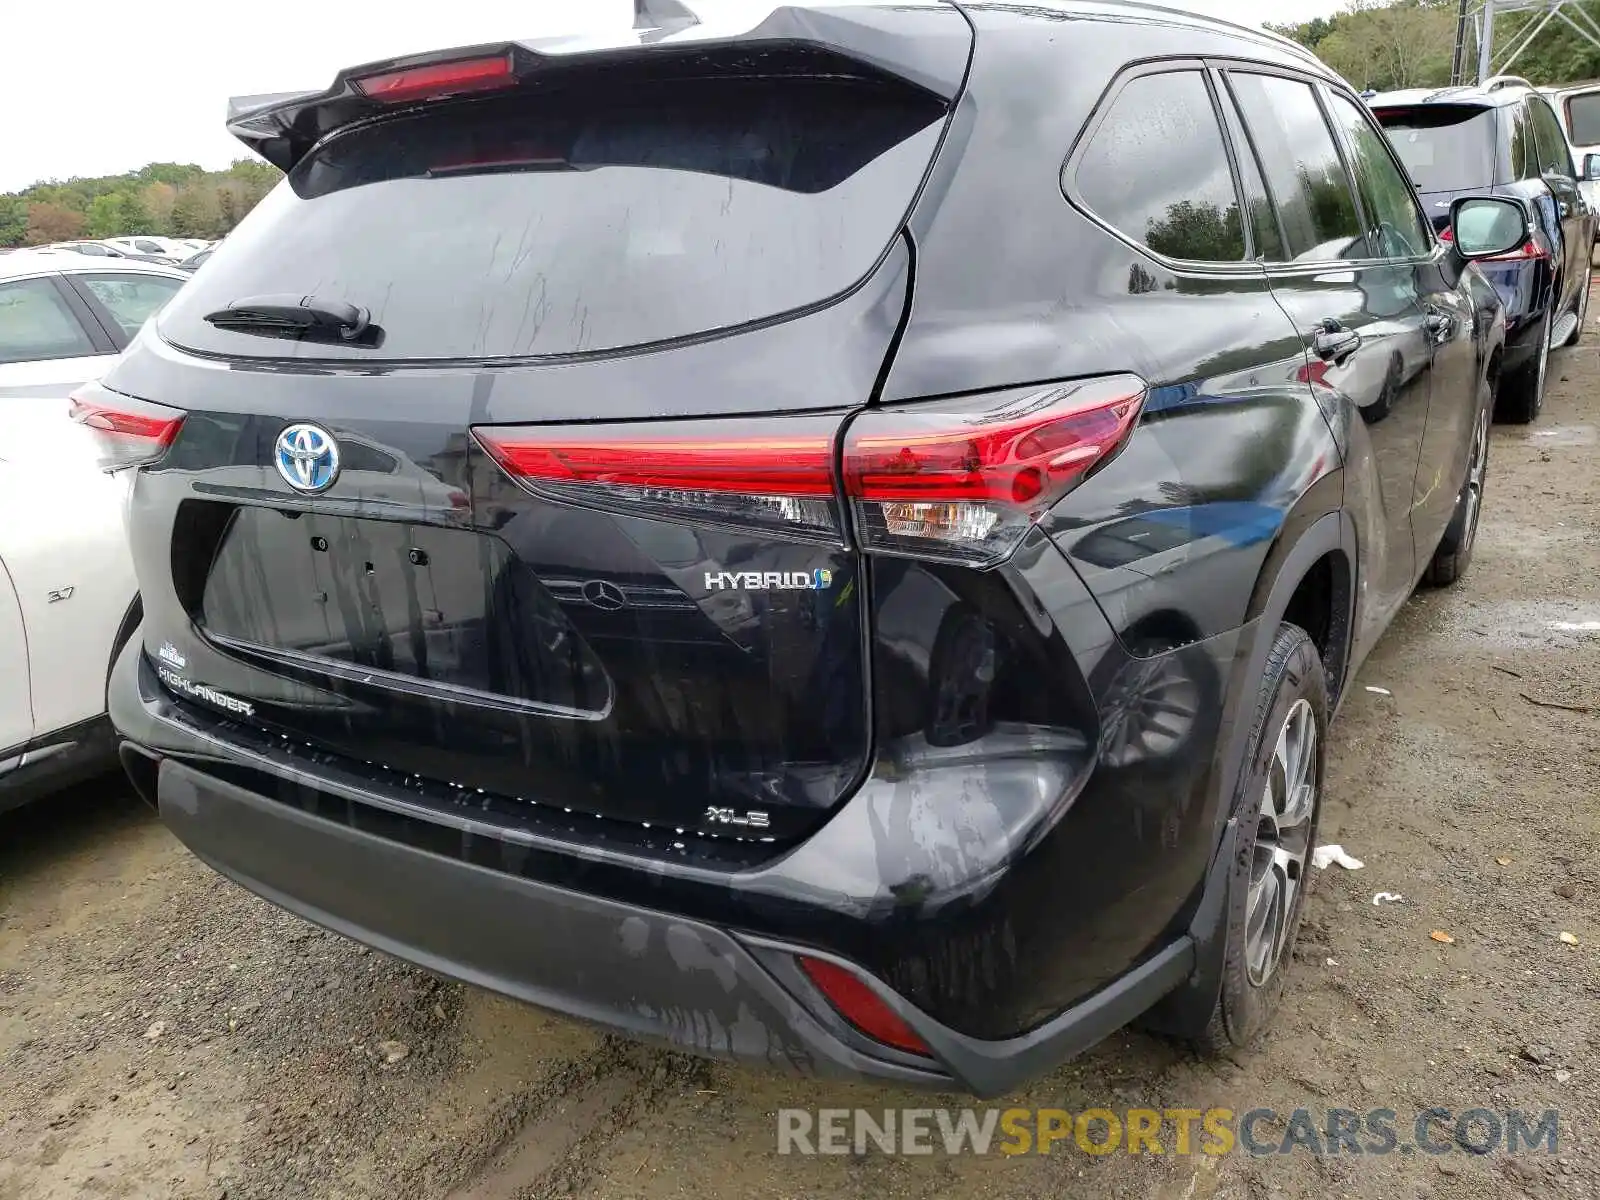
x=699, y=985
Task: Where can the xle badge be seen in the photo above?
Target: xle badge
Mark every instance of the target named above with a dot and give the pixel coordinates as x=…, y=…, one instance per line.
x=744, y=820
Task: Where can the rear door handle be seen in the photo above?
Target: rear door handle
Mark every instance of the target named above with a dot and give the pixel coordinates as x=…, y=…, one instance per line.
x=1334, y=343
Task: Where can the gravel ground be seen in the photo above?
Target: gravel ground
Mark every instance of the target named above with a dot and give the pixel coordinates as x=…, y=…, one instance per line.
x=164, y=1034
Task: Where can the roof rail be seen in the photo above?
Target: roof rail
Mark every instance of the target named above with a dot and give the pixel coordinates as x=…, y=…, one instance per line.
x=1495, y=83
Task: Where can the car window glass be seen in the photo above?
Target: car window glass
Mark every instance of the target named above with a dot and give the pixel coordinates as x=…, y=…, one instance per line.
x=1390, y=200
x=1157, y=169
x=1583, y=118
x=132, y=299
x=1263, y=218
x=579, y=220
x=1554, y=158
x=35, y=323
x=148, y=247
x=1303, y=167
x=1524, y=150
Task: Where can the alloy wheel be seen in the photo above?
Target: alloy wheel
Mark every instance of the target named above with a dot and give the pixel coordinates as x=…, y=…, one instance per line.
x=1477, y=472
x=1283, y=842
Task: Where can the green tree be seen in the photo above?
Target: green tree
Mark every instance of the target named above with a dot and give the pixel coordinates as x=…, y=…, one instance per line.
x=51, y=222
x=117, y=214
x=13, y=221
x=178, y=199
x=1557, y=55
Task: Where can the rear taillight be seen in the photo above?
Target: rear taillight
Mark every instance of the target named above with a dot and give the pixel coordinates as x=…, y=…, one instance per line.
x=130, y=433
x=963, y=480
x=438, y=79
x=1528, y=251
x=959, y=480
x=1447, y=234
x=771, y=472
x=856, y=1002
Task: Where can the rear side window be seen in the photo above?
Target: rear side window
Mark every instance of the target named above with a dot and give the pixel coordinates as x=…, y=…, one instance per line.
x=35, y=324
x=1583, y=119
x=1554, y=157
x=1524, y=148
x=579, y=219
x=1445, y=147
x=131, y=299
x=1156, y=169
x=1303, y=167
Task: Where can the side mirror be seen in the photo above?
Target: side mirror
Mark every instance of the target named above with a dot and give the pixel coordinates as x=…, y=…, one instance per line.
x=1591, y=167
x=1485, y=226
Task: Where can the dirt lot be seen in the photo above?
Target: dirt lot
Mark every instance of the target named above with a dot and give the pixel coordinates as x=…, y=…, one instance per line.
x=162, y=1033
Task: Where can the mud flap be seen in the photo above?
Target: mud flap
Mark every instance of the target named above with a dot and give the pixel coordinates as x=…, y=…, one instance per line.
x=1187, y=1010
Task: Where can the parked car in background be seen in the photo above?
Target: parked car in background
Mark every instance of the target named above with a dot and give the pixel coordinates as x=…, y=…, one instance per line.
x=165, y=247
x=68, y=600
x=1505, y=140
x=758, y=643
x=93, y=249
x=1577, y=106
x=65, y=316
x=195, y=261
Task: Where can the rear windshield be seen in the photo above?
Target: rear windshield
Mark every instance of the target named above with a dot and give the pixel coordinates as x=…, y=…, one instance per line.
x=1583, y=119
x=1445, y=147
x=569, y=222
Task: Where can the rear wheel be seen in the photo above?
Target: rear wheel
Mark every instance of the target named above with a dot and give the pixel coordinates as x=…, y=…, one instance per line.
x=1276, y=809
x=1454, y=553
x=1522, y=391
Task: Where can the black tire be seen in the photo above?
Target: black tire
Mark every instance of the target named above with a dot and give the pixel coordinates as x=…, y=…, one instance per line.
x=1521, y=396
x=1454, y=553
x=1293, y=678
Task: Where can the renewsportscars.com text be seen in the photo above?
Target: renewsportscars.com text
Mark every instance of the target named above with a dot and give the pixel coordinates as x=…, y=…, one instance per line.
x=1333, y=1132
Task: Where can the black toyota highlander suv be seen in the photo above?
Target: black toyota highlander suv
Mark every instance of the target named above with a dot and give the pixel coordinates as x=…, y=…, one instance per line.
x=834, y=544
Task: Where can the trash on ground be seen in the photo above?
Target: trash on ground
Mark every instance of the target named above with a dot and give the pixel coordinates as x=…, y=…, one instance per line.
x=1323, y=855
x=1504, y=862
x=1538, y=1052
x=1387, y=898
x=1572, y=708
x=155, y=1031
x=1570, y=939
x=392, y=1052
x=1378, y=691
x=1440, y=935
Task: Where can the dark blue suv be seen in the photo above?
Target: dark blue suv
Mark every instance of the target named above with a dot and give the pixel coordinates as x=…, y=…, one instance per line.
x=1504, y=140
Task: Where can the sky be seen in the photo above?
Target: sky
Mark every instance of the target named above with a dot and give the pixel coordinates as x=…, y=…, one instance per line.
x=120, y=89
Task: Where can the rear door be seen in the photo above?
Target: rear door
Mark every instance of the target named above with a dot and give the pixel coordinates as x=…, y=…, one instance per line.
x=520, y=578
x=1362, y=314
x=49, y=341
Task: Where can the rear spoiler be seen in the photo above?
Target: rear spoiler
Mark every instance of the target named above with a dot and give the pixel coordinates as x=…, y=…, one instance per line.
x=925, y=43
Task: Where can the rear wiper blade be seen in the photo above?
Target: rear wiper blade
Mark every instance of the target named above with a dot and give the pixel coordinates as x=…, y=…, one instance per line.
x=296, y=316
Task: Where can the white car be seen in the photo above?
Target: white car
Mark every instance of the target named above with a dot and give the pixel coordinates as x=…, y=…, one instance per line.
x=64, y=316
x=173, y=248
x=68, y=600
